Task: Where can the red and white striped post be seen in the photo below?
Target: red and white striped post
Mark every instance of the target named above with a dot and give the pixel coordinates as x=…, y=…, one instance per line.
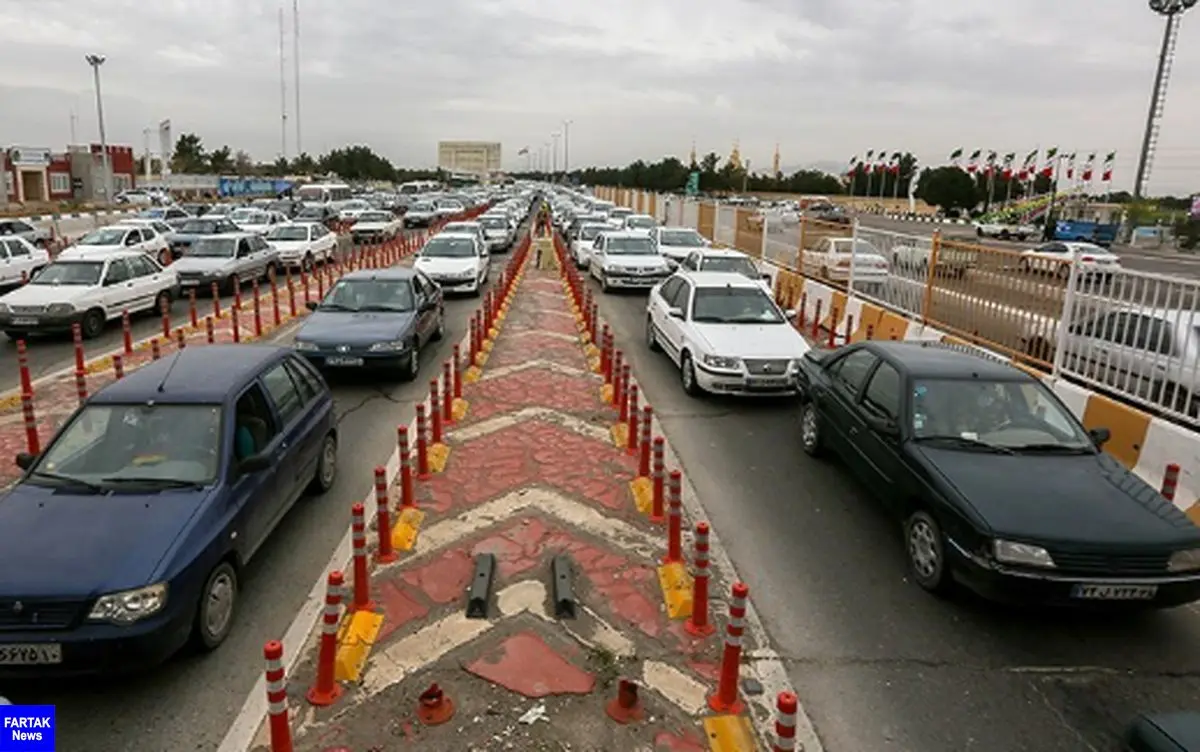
x=385, y=554
x=180, y=339
x=619, y=383
x=1170, y=482
x=277, y=709
x=77, y=341
x=606, y=355
x=658, y=479
x=457, y=359
x=193, y=314
x=407, y=495
x=816, y=322
x=126, y=333
x=155, y=349
x=216, y=300
x=422, y=444
x=291, y=290
x=210, y=334
x=118, y=366
x=362, y=576
x=698, y=623
x=325, y=690
x=786, y=709
x=25, y=378
x=33, y=442
x=675, y=521
x=165, y=311
x=725, y=699
x=235, y=319
x=632, y=414
x=849, y=328
x=258, y=322
x=81, y=390
x=447, y=392
x=435, y=412
x=276, y=312
x=644, y=442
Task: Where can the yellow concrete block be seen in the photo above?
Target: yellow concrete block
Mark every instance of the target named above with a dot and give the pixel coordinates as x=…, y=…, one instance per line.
x=355, y=639
x=620, y=434
x=492, y=334
x=606, y=394
x=594, y=364
x=642, y=489
x=590, y=349
x=729, y=733
x=487, y=346
x=480, y=359
x=458, y=408
x=407, y=529
x=472, y=374
x=439, y=454
x=676, y=584
x=11, y=400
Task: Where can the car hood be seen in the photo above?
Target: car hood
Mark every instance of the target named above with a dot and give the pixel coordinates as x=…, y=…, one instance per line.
x=1055, y=498
x=639, y=261
x=43, y=294
x=201, y=264
x=447, y=265
x=83, y=251
x=116, y=541
x=288, y=246
x=678, y=252
x=347, y=328
x=753, y=341
x=371, y=225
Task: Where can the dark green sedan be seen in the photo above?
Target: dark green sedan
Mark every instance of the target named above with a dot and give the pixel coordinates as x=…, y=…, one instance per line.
x=999, y=487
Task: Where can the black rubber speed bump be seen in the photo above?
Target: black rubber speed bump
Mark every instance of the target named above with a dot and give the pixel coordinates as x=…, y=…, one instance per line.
x=479, y=595
x=562, y=587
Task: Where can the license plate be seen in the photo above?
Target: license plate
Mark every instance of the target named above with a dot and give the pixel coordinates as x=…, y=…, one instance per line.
x=771, y=383
x=25, y=321
x=189, y=282
x=30, y=655
x=343, y=361
x=1114, y=592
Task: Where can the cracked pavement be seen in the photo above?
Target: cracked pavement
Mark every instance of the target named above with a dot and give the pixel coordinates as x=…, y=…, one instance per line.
x=878, y=664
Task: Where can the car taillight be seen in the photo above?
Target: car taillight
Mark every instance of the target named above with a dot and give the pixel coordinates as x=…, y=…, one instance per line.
x=1088, y=258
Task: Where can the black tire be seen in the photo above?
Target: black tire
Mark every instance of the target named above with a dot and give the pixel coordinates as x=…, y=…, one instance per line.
x=925, y=547
x=14, y=335
x=440, y=332
x=687, y=376
x=220, y=592
x=92, y=324
x=161, y=301
x=810, y=430
x=651, y=337
x=1004, y=235
x=326, y=474
x=412, y=369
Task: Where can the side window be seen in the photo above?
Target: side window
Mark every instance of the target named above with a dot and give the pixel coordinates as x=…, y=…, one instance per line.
x=1151, y=334
x=305, y=384
x=883, y=392
x=148, y=233
x=243, y=247
x=683, y=298
x=133, y=237
x=1116, y=329
x=420, y=289
x=17, y=249
x=851, y=371
x=4, y=249
x=670, y=289
x=254, y=423
x=139, y=267
x=118, y=271
x=692, y=262
x=19, y=226
x=283, y=393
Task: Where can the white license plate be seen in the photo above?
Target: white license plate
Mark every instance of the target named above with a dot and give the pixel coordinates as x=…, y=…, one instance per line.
x=30, y=655
x=343, y=361
x=1114, y=592
x=768, y=383
x=24, y=321
x=189, y=282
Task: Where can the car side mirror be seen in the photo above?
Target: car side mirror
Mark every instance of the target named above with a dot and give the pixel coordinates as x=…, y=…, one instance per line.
x=1100, y=436
x=766, y=276
x=255, y=463
x=675, y=313
x=24, y=460
x=790, y=314
x=883, y=426
x=312, y=305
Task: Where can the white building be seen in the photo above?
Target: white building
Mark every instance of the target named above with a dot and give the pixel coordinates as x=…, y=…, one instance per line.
x=476, y=157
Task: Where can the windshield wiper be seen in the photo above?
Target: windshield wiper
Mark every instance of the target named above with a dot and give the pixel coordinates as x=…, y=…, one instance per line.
x=149, y=481
x=72, y=480
x=387, y=308
x=1053, y=449
x=335, y=307
x=966, y=443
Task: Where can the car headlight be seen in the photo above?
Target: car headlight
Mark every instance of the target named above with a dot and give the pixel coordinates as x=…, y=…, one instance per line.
x=3, y=308
x=1023, y=554
x=304, y=346
x=58, y=309
x=1184, y=561
x=721, y=363
x=130, y=606
x=392, y=346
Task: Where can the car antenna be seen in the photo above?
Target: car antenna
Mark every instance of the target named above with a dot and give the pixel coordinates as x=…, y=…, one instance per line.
x=162, y=385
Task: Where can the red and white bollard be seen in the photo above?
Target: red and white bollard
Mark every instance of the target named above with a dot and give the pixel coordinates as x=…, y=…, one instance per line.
x=725, y=699
x=165, y=311
x=193, y=314
x=180, y=339
x=447, y=392
x=210, y=334
x=276, y=313
x=258, y=322
x=620, y=396
x=422, y=444
x=658, y=473
x=362, y=576
x=277, y=709
x=81, y=390
x=235, y=322
x=407, y=495
x=118, y=366
x=291, y=289
x=675, y=519
x=786, y=708
x=1170, y=482
x=385, y=554
x=25, y=379
x=632, y=413
x=435, y=412
x=458, y=384
x=77, y=341
x=644, y=442
x=33, y=442
x=698, y=623
x=325, y=690
x=126, y=333
x=216, y=300
x=155, y=349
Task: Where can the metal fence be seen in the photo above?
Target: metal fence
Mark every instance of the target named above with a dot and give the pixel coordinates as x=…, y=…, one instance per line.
x=1135, y=335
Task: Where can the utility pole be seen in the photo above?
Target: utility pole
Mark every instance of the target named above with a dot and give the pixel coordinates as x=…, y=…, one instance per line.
x=283, y=129
x=554, y=153
x=106, y=159
x=1172, y=10
x=296, y=66
x=566, y=147
x=146, y=153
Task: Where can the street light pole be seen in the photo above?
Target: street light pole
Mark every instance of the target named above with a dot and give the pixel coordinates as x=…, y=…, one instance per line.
x=566, y=147
x=554, y=154
x=96, y=61
x=1172, y=10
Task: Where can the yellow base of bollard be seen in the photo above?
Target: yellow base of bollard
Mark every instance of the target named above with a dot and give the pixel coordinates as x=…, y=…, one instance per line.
x=594, y=365
x=481, y=358
x=606, y=394
x=356, y=637
x=407, y=529
x=487, y=346
x=439, y=455
x=590, y=350
x=492, y=334
x=472, y=375
x=729, y=733
x=458, y=408
x=620, y=434
x=642, y=489
x=676, y=586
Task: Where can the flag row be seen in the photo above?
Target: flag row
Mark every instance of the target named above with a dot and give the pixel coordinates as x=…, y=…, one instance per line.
x=1078, y=167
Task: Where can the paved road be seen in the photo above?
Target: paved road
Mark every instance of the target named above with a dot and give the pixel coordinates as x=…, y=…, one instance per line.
x=189, y=703
x=879, y=664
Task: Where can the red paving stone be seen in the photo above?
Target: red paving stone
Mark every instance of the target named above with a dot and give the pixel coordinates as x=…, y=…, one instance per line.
x=399, y=607
x=665, y=741
x=512, y=392
x=514, y=351
x=532, y=452
x=525, y=664
x=562, y=323
x=443, y=579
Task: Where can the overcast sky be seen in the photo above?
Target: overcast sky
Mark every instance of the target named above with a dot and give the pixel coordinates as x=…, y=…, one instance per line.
x=826, y=79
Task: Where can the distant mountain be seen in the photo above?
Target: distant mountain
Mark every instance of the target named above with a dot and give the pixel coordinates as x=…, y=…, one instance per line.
x=833, y=168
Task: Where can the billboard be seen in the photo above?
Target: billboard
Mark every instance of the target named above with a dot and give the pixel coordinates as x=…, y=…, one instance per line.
x=1196, y=206
x=252, y=187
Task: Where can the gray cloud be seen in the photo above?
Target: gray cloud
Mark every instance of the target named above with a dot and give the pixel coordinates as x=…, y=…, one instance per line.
x=825, y=79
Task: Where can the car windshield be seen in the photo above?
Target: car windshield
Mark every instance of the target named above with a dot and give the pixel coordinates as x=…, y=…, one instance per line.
x=214, y=248
x=681, y=238
x=70, y=273
x=449, y=248
x=589, y=232
x=383, y=217
x=494, y=223
x=133, y=446
x=640, y=223
x=254, y=218
x=152, y=213
x=861, y=247
x=370, y=295
x=450, y=205
x=733, y=264
x=1014, y=415
x=462, y=228
x=198, y=227
x=311, y=212
x=291, y=232
x=421, y=206
x=243, y=215
x=104, y=236
x=630, y=247
x=734, y=305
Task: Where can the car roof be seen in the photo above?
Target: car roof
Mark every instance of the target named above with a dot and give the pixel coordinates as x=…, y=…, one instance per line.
x=461, y=235
x=206, y=374
x=938, y=360
x=721, y=252
x=639, y=216
x=238, y=234
x=719, y=279
x=625, y=234
x=462, y=223
x=95, y=256
x=391, y=273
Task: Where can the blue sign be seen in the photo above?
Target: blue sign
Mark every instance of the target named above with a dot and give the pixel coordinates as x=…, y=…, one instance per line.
x=27, y=728
x=251, y=186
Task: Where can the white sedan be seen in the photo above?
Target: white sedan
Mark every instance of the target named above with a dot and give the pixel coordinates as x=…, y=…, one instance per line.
x=626, y=260
x=259, y=222
x=725, y=333
x=677, y=242
x=303, y=244
x=458, y=263
x=115, y=238
x=1056, y=258
x=375, y=226
x=833, y=259
x=19, y=259
x=581, y=246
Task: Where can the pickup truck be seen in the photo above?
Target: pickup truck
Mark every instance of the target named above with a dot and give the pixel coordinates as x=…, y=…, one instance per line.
x=1006, y=230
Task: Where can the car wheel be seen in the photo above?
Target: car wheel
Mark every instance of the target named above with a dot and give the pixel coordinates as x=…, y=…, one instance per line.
x=308, y=263
x=162, y=301
x=1004, y=235
x=926, y=548
x=978, y=233
x=810, y=430
x=687, y=376
x=92, y=324
x=440, y=332
x=1021, y=238
x=412, y=368
x=214, y=612
x=14, y=335
x=603, y=283
x=326, y=466
x=651, y=337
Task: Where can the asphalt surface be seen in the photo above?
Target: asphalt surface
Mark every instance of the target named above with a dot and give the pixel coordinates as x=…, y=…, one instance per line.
x=189, y=703
x=880, y=665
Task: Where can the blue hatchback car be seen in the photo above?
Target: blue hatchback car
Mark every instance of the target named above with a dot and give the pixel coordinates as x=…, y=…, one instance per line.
x=125, y=538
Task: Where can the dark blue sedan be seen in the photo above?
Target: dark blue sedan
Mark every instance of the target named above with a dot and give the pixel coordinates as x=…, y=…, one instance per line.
x=126, y=537
x=376, y=318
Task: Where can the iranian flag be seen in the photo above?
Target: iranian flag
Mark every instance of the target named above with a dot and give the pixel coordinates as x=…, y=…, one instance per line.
x=1009, y=159
x=853, y=166
x=955, y=156
x=1088, y=167
x=881, y=161
x=1047, y=170
x=894, y=167
x=1029, y=166
x=973, y=161
x=991, y=163
x=1071, y=166
x=1106, y=177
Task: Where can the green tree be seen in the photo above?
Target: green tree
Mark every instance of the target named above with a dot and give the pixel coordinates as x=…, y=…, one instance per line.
x=948, y=187
x=189, y=157
x=221, y=160
x=357, y=163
